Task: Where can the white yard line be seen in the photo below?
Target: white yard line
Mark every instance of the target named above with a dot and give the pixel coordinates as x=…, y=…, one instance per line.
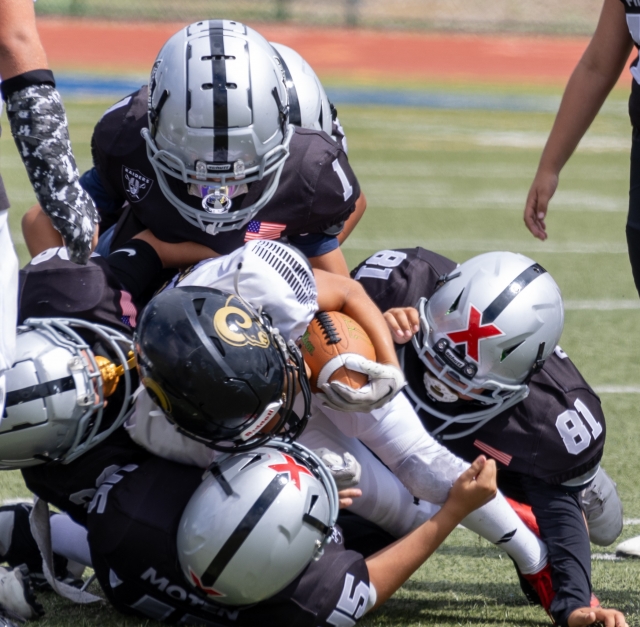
x=483, y=245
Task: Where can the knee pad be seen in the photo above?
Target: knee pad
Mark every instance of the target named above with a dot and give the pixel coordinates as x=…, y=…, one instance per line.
x=603, y=509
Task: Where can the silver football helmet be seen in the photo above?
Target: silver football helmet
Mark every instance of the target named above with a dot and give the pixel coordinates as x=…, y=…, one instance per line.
x=308, y=103
x=57, y=388
x=256, y=521
x=485, y=331
x=218, y=120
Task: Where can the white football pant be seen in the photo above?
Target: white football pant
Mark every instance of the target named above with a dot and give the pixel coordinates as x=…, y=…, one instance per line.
x=8, y=302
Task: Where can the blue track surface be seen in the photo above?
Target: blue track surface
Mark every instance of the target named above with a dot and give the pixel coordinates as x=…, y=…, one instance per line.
x=73, y=86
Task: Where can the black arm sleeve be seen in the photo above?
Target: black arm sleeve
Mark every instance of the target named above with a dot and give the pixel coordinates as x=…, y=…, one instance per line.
x=564, y=531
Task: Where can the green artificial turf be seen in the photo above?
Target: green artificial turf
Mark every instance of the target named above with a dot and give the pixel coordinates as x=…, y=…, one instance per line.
x=456, y=182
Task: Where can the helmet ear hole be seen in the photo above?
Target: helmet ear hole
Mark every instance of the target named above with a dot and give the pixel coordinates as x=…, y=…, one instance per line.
x=198, y=304
x=507, y=351
x=455, y=304
x=218, y=345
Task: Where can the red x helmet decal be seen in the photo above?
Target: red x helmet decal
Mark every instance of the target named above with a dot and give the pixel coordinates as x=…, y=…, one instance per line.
x=212, y=592
x=292, y=468
x=474, y=332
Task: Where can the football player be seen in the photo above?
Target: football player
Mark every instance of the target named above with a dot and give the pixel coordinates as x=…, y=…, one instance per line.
x=484, y=376
x=244, y=535
x=38, y=124
x=274, y=278
x=106, y=291
x=207, y=154
x=279, y=288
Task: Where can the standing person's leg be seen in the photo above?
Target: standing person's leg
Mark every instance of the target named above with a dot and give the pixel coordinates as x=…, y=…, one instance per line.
x=633, y=219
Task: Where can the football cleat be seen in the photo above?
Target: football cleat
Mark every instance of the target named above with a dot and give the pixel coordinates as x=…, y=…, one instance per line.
x=542, y=591
x=17, y=600
x=18, y=546
x=629, y=548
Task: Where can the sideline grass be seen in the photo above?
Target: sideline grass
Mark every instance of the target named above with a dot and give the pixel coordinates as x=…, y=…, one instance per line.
x=456, y=181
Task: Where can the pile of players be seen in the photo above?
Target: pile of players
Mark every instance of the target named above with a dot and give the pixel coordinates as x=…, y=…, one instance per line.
x=225, y=192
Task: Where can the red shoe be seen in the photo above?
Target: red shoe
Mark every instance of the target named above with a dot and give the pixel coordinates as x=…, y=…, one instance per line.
x=526, y=515
x=541, y=583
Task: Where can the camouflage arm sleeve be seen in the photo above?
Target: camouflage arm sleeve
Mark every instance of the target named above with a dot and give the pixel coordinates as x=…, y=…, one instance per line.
x=39, y=126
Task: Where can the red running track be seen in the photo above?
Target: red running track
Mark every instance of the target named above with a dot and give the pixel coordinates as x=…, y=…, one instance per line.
x=97, y=46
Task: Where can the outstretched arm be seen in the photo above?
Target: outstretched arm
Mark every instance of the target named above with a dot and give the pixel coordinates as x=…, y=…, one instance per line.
x=391, y=567
x=590, y=83
x=39, y=127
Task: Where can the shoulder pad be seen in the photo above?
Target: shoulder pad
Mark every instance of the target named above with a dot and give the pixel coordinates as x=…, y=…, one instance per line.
x=118, y=131
x=563, y=372
x=307, y=138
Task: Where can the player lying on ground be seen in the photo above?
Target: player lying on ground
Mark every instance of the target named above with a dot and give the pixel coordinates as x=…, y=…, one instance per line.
x=238, y=548
x=399, y=438
x=225, y=165
x=50, y=287
x=485, y=375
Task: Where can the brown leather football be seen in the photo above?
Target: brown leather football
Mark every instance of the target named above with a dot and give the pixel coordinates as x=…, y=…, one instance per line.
x=329, y=338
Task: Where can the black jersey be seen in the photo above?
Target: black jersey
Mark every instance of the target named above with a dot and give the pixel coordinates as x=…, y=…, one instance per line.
x=553, y=436
x=53, y=286
x=132, y=535
x=556, y=434
x=317, y=188
x=632, y=11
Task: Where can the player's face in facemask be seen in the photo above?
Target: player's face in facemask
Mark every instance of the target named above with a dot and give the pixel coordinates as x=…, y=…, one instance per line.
x=438, y=390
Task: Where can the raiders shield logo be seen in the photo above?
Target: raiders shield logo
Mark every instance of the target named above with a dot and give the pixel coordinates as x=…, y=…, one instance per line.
x=136, y=185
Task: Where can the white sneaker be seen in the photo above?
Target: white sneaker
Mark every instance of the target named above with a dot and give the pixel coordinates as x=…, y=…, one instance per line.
x=629, y=548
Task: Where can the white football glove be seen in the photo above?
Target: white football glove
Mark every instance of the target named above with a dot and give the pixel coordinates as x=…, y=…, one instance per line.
x=385, y=381
x=345, y=469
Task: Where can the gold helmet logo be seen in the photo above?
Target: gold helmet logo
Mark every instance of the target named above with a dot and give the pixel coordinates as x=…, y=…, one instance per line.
x=236, y=327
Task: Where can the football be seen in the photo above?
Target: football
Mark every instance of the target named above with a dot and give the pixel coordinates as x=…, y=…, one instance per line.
x=330, y=338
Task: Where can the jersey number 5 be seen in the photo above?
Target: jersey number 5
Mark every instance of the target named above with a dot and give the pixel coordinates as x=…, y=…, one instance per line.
x=572, y=429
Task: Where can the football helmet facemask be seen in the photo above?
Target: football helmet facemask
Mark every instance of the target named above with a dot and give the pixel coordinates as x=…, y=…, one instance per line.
x=218, y=369
x=487, y=328
x=57, y=391
x=218, y=118
x=256, y=521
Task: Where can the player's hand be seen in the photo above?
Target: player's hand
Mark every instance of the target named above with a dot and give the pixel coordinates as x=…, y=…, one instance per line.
x=473, y=488
x=345, y=469
x=346, y=497
x=588, y=615
x=403, y=322
x=385, y=381
x=535, y=211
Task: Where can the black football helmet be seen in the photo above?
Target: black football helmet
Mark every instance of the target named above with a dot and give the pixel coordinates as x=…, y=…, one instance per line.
x=219, y=370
